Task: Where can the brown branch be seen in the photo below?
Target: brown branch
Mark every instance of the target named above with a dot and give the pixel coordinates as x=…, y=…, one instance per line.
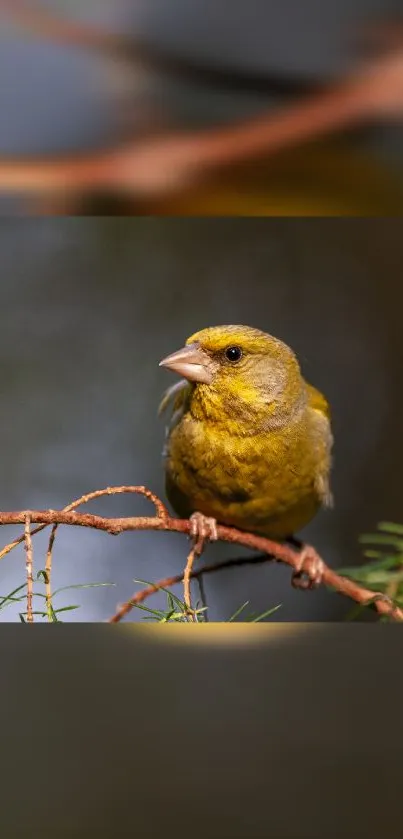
x=195, y=553
x=365, y=597
x=29, y=566
x=48, y=572
x=186, y=581
x=163, y=165
x=45, y=22
x=84, y=499
x=162, y=521
x=168, y=582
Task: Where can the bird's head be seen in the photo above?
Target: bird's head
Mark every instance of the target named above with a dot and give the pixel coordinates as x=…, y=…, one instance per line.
x=238, y=370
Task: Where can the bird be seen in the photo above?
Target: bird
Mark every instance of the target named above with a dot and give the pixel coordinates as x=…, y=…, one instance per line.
x=249, y=441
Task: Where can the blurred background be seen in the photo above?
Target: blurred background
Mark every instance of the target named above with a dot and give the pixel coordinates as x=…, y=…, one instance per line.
x=117, y=107
x=90, y=306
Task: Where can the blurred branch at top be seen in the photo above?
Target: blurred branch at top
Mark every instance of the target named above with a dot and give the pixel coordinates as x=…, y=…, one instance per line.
x=224, y=167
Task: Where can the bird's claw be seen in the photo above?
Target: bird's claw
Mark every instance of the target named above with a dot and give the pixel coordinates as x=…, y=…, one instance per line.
x=309, y=569
x=202, y=528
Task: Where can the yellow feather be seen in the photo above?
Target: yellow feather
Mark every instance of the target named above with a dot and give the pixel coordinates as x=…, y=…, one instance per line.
x=318, y=401
x=252, y=448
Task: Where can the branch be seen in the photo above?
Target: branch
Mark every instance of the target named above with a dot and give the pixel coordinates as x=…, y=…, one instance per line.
x=29, y=566
x=166, y=165
x=162, y=521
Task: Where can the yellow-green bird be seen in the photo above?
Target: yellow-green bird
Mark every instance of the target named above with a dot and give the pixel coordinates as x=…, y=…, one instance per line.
x=249, y=443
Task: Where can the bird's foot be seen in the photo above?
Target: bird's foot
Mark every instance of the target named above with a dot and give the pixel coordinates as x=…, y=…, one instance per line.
x=309, y=569
x=202, y=529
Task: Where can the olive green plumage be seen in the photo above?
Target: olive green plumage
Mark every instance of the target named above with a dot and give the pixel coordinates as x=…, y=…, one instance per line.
x=249, y=442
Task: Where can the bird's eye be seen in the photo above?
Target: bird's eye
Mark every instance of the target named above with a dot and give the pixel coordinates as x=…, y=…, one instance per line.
x=233, y=353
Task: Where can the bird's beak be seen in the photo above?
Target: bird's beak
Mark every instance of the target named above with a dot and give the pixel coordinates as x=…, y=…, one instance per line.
x=192, y=363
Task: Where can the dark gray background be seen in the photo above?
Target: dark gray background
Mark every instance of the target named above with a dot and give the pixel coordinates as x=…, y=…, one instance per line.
x=90, y=306
x=290, y=732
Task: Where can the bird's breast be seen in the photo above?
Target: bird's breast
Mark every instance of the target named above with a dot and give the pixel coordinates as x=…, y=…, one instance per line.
x=245, y=481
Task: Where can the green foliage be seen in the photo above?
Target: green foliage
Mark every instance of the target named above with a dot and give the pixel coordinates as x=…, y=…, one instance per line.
x=176, y=610
x=253, y=618
x=49, y=612
x=384, y=571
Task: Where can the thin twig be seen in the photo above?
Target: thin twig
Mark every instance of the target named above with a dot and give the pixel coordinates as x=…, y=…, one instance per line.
x=48, y=573
x=168, y=582
x=159, y=506
x=11, y=545
x=195, y=552
x=84, y=499
x=186, y=583
x=162, y=521
x=29, y=566
x=203, y=597
x=382, y=605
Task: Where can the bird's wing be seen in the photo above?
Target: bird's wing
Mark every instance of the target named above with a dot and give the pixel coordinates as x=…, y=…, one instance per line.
x=319, y=404
x=175, y=397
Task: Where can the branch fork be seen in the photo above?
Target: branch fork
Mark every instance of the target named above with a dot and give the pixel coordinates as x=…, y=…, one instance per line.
x=267, y=549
